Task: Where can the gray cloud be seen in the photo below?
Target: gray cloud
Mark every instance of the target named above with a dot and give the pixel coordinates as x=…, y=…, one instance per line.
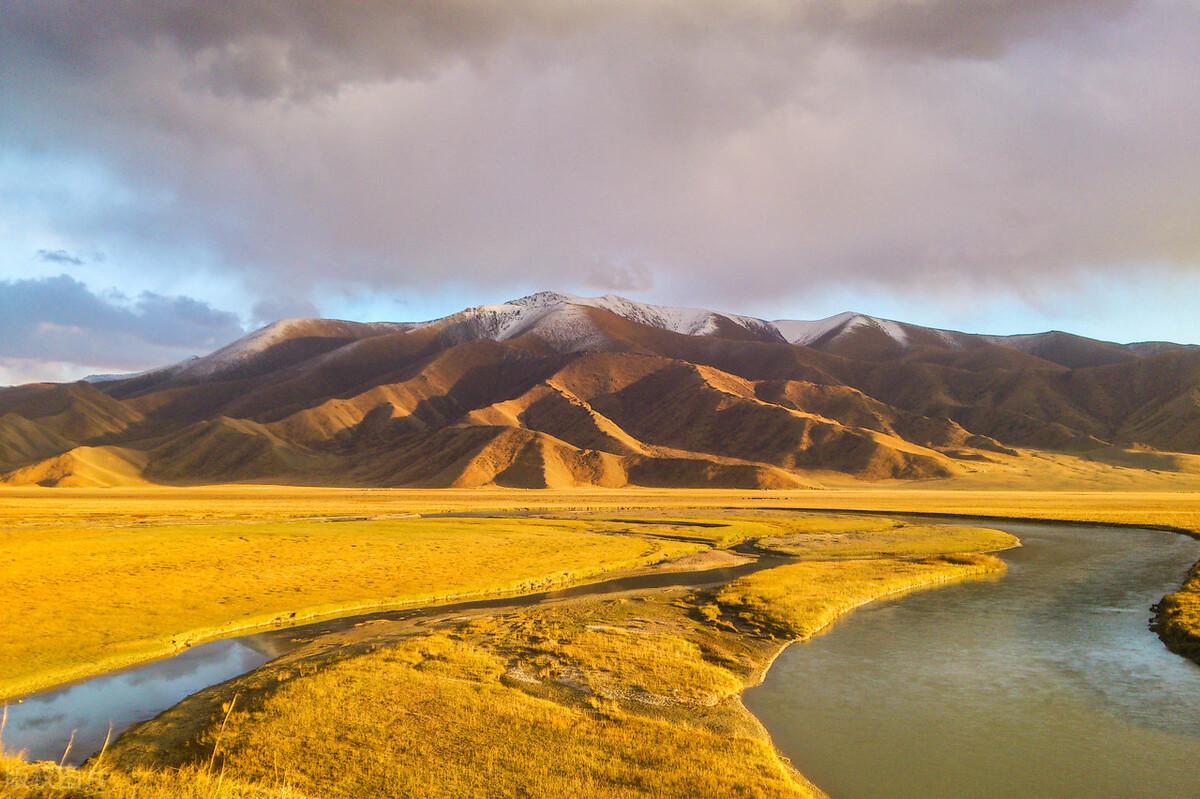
x=630, y=277
x=749, y=151
x=983, y=29
x=59, y=319
x=59, y=257
x=272, y=310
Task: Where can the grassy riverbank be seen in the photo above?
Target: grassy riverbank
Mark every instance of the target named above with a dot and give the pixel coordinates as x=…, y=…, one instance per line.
x=612, y=698
x=1178, y=617
x=106, y=584
x=622, y=697
x=111, y=578
x=797, y=601
x=94, y=595
x=636, y=695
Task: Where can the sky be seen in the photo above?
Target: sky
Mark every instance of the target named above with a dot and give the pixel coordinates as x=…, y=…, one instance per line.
x=173, y=174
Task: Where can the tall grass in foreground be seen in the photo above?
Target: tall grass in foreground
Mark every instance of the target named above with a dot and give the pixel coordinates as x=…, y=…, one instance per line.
x=20, y=779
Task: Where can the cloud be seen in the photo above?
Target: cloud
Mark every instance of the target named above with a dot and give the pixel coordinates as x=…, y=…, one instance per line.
x=634, y=277
x=750, y=151
x=984, y=29
x=272, y=310
x=58, y=321
x=16, y=371
x=59, y=257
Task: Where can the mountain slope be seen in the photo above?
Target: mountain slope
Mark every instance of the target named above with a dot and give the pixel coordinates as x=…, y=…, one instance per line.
x=862, y=336
x=553, y=390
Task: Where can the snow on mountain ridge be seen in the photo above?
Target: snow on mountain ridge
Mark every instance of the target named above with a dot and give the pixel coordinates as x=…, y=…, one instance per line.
x=537, y=312
x=108, y=378
x=798, y=331
x=248, y=346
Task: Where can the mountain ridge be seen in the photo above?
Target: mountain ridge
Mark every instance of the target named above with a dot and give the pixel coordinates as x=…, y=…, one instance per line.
x=510, y=319
x=556, y=390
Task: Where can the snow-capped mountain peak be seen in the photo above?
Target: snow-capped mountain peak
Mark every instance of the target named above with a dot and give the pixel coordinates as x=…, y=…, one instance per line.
x=799, y=331
x=562, y=319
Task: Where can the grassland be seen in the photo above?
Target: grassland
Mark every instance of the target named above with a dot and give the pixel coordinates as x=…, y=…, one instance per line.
x=202, y=553
x=610, y=698
x=627, y=697
x=1178, y=617
x=1175, y=511
x=22, y=780
x=111, y=582
x=94, y=596
x=799, y=600
x=632, y=696
x=821, y=538
x=36, y=507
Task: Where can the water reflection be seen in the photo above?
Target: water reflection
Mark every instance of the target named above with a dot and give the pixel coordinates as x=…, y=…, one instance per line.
x=42, y=724
x=1046, y=683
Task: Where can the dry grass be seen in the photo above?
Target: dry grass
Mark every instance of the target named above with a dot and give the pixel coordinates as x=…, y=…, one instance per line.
x=39, y=507
x=21, y=780
x=1178, y=619
x=858, y=537
x=21, y=507
x=799, y=600
x=1179, y=511
x=84, y=558
x=86, y=596
x=438, y=721
x=616, y=698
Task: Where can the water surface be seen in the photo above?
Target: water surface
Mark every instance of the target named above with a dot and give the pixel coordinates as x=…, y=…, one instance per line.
x=1043, y=683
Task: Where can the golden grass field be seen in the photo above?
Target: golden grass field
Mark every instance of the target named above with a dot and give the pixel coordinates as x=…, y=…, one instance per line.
x=773, y=602
x=631, y=696
x=96, y=596
x=200, y=551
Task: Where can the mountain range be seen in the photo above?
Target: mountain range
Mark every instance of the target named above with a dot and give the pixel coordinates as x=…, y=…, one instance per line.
x=553, y=390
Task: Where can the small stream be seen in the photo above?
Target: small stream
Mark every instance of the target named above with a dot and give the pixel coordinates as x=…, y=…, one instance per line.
x=42, y=724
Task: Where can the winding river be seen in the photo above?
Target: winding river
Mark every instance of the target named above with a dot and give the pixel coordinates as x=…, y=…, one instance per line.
x=1043, y=683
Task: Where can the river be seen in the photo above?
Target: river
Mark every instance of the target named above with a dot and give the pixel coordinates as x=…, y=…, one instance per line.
x=1043, y=683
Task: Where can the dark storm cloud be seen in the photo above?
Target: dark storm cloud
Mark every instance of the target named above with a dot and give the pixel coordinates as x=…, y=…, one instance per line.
x=748, y=151
x=59, y=319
